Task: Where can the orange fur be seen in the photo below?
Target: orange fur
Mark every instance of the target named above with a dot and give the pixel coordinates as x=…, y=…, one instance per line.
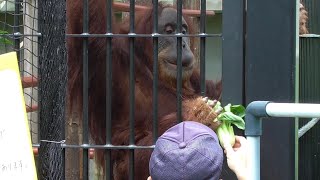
x=303, y=20
x=120, y=88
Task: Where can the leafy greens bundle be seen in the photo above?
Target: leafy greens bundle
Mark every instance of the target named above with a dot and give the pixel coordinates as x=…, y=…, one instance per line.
x=230, y=115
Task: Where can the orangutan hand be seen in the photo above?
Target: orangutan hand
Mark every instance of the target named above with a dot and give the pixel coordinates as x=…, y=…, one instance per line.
x=201, y=110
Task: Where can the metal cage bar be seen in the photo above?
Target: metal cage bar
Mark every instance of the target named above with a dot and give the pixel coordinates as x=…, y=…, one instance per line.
x=132, y=89
x=202, y=48
x=144, y=35
x=108, y=146
x=16, y=31
x=109, y=90
x=179, y=61
x=233, y=25
x=85, y=138
x=155, y=71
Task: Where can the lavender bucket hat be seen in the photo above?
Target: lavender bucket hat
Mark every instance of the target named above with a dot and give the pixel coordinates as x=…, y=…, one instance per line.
x=187, y=151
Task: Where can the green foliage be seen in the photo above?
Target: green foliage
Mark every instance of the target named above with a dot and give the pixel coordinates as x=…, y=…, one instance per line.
x=3, y=39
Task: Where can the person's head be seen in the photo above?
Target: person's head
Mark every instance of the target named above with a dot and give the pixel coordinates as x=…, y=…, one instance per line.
x=188, y=150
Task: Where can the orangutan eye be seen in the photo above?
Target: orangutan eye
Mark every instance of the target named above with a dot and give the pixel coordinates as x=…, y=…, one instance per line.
x=184, y=28
x=184, y=31
x=169, y=29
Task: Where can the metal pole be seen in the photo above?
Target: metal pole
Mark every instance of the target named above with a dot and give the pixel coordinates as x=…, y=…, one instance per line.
x=179, y=60
x=254, y=152
x=256, y=110
x=293, y=110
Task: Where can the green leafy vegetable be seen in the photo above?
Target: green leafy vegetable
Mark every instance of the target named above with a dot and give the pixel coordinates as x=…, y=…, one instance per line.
x=230, y=115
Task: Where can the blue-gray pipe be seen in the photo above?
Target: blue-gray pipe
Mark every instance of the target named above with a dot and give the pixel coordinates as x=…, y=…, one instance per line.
x=257, y=110
x=254, y=112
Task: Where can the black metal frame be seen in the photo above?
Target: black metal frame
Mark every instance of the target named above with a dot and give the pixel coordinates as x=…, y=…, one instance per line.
x=132, y=35
x=233, y=60
x=233, y=49
x=270, y=75
x=16, y=28
x=241, y=84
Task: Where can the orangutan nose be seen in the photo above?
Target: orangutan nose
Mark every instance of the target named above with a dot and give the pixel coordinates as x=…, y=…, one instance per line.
x=187, y=58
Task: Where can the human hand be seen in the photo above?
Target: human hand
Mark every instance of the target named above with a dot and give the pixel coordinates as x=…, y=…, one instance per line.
x=237, y=157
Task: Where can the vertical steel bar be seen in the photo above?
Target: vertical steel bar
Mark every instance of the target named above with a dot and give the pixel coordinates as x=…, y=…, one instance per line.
x=296, y=88
x=108, y=88
x=233, y=26
x=132, y=88
x=260, y=75
x=203, y=48
x=179, y=60
x=16, y=32
x=85, y=137
x=5, y=25
x=155, y=71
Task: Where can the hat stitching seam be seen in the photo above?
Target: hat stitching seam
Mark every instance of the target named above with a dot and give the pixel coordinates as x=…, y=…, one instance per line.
x=163, y=156
x=205, y=156
x=175, y=140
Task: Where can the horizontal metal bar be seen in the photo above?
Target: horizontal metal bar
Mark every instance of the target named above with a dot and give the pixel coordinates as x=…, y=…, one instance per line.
x=86, y=146
x=190, y=12
x=36, y=145
x=310, y=35
x=20, y=35
x=302, y=110
x=143, y=35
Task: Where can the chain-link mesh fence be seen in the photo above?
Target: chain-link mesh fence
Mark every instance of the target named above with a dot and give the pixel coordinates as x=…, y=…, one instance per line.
x=19, y=32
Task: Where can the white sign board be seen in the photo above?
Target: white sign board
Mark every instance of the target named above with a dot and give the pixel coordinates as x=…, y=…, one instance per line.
x=16, y=156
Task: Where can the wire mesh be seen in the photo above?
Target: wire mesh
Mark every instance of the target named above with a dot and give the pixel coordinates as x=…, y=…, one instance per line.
x=19, y=33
